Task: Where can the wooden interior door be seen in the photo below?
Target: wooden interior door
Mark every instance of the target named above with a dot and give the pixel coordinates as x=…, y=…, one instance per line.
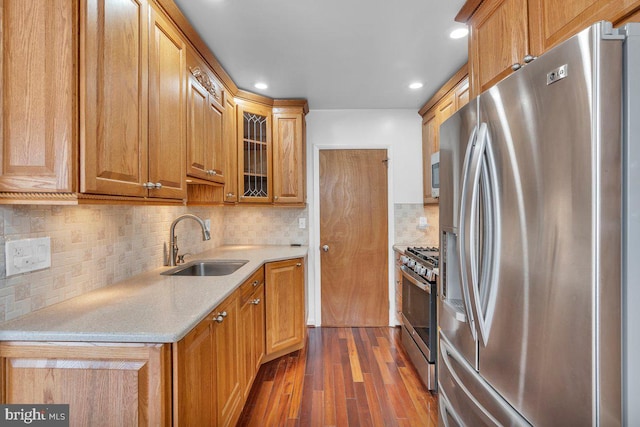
x=353, y=230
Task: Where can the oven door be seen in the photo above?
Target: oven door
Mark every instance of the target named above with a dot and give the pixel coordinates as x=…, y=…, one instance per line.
x=419, y=312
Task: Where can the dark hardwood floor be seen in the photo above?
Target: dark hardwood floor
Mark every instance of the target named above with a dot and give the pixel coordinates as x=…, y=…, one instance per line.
x=343, y=377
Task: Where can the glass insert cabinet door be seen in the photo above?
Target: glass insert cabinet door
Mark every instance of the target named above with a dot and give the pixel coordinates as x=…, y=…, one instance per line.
x=255, y=154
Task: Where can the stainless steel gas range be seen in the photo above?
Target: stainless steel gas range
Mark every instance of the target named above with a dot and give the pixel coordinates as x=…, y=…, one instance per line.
x=419, y=302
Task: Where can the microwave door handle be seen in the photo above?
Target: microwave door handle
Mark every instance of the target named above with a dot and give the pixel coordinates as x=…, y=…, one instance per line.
x=462, y=256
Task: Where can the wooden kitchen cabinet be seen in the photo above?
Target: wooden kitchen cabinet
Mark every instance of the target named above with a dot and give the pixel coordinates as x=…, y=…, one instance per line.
x=499, y=38
x=254, y=153
x=452, y=96
x=228, y=361
x=253, y=328
x=194, y=377
x=285, y=307
x=503, y=32
x=230, y=150
x=37, y=89
x=132, y=101
x=289, y=156
x=205, y=121
x=104, y=384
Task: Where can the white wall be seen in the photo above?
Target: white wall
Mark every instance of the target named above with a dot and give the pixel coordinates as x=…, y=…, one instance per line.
x=399, y=131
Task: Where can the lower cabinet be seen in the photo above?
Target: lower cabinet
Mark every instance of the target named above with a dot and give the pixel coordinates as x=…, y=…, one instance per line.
x=203, y=379
x=104, y=384
x=285, y=307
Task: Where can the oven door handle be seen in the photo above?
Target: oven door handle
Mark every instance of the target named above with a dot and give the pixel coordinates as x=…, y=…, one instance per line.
x=424, y=286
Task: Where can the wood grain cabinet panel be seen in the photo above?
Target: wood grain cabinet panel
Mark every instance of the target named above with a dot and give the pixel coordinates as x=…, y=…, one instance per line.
x=230, y=150
x=285, y=307
x=104, y=384
x=194, y=377
x=252, y=328
x=552, y=22
x=167, y=95
x=114, y=96
x=132, y=101
x=205, y=118
x=228, y=362
x=430, y=144
x=288, y=156
x=499, y=38
x=37, y=90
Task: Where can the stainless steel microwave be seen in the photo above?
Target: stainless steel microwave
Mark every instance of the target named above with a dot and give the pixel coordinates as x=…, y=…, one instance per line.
x=435, y=175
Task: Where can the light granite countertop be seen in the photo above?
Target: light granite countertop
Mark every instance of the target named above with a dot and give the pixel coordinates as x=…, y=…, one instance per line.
x=147, y=308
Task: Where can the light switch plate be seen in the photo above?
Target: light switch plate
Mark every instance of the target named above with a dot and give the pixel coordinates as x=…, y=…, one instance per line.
x=302, y=223
x=26, y=255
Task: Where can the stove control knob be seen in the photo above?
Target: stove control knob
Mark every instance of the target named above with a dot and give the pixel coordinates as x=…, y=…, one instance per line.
x=423, y=271
x=411, y=263
x=404, y=259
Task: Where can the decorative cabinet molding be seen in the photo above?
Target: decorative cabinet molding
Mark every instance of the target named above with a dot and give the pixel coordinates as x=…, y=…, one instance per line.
x=206, y=82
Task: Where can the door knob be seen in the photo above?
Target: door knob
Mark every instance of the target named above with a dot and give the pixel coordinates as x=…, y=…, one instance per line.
x=325, y=248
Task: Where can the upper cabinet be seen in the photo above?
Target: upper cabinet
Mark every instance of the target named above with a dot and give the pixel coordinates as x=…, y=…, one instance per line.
x=289, y=155
x=230, y=151
x=38, y=82
x=506, y=34
x=254, y=152
x=132, y=101
x=449, y=99
x=205, y=122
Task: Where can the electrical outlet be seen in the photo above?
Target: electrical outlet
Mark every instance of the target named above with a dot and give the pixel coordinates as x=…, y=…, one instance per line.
x=302, y=223
x=26, y=255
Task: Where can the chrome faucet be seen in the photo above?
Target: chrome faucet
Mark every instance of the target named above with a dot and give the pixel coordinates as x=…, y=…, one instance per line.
x=173, y=240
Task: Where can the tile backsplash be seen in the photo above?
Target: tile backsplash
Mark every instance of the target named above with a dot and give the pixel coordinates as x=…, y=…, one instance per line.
x=407, y=217
x=97, y=245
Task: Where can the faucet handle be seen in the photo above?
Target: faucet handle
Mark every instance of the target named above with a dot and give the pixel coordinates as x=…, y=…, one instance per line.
x=180, y=258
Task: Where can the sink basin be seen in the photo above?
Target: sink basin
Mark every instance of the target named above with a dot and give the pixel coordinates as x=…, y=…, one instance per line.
x=207, y=268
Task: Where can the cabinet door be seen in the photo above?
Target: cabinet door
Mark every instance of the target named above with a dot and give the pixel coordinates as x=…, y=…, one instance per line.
x=214, y=129
x=430, y=128
x=230, y=150
x=37, y=90
x=114, y=96
x=552, y=22
x=228, y=363
x=198, y=139
x=499, y=38
x=252, y=336
x=288, y=158
x=167, y=109
x=462, y=93
x=285, y=306
x=194, y=377
x=103, y=384
x=254, y=153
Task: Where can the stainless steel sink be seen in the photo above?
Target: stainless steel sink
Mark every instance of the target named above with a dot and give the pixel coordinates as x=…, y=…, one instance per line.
x=216, y=267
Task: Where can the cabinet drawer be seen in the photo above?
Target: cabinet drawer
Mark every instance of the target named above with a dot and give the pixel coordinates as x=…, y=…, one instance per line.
x=250, y=285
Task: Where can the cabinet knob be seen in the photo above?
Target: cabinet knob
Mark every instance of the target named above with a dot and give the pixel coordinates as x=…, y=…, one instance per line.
x=528, y=58
x=219, y=319
x=325, y=248
x=275, y=197
x=157, y=185
x=230, y=195
x=149, y=185
x=255, y=283
x=256, y=301
x=516, y=66
x=299, y=264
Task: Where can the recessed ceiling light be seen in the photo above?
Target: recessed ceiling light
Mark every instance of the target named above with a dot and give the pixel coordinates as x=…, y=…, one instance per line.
x=459, y=33
x=260, y=85
x=416, y=85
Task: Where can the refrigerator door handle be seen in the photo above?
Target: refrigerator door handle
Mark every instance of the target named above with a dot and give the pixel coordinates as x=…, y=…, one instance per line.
x=468, y=227
x=447, y=409
x=484, y=302
x=462, y=257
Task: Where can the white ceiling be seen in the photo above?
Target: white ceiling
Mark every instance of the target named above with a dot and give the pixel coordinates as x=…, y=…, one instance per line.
x=338, y=54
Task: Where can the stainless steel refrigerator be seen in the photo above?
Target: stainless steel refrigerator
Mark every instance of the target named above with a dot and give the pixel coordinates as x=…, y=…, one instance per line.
x=540, y=242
